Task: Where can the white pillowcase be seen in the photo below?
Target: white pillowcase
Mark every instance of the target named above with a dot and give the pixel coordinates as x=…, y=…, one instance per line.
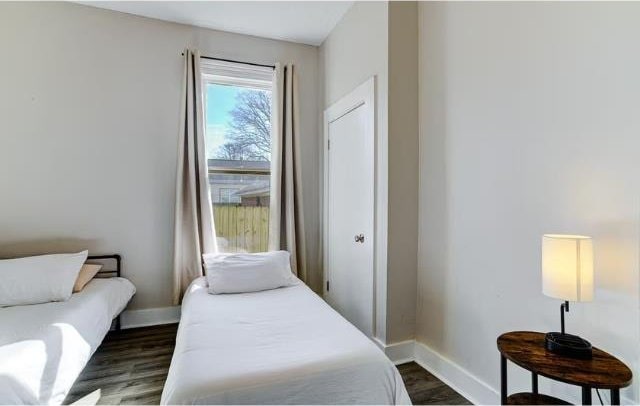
x=39, y=279
x=239, y=273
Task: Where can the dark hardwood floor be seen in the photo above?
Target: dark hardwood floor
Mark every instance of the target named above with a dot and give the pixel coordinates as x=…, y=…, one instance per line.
x=130, y=367
x=426, y=389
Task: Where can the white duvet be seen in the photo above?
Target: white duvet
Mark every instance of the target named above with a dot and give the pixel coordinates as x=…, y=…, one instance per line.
x=281, y=346
x=44, y=347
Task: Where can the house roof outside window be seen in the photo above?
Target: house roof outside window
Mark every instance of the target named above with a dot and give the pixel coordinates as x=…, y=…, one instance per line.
x=239, y=166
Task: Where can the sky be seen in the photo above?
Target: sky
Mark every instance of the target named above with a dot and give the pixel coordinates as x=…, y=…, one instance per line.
x=220, y=102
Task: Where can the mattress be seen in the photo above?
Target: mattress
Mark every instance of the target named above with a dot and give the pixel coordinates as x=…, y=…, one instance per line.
x=281, y=346
x=44, y=347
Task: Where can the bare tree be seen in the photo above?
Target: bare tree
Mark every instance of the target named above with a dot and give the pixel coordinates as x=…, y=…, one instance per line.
x=229, y=151
x=249, y=131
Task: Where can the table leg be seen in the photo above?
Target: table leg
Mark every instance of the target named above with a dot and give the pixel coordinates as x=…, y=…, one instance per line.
x=615, y=396
x=534, y=383
x=503, y=380
x=586, y=395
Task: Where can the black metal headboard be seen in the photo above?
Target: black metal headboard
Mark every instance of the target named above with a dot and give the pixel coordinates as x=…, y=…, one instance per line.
x=108, y=273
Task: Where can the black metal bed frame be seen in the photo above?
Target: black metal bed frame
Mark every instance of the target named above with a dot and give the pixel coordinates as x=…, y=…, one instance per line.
x=109, y=273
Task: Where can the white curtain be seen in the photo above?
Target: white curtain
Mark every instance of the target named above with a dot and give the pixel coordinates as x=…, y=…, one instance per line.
x=194, y=231
x=286, y=224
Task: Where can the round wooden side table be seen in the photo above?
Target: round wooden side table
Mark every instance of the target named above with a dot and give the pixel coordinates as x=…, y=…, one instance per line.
x=526, y=349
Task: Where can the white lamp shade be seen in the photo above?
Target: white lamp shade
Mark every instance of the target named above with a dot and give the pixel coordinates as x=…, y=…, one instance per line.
x=567, y=267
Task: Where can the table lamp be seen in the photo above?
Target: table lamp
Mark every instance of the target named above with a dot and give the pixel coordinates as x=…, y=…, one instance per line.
x=567, y=274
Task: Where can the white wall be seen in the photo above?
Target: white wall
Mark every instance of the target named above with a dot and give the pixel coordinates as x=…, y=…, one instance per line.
x=403, y=170
x=529, y=124
x=89, y=110
x=354, y=51
x=360, y=46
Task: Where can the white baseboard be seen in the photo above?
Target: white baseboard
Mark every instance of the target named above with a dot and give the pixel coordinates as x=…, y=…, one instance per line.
x=462, y=381
x=400, y=353
x=150, y=317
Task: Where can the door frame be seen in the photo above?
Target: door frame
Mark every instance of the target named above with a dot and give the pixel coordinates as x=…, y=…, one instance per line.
x=362, y=96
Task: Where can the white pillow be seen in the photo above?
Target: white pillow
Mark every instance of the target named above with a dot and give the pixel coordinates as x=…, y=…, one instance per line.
x=238, y=273
x=39, y=279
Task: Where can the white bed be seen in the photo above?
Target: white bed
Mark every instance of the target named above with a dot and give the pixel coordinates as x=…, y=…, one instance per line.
x=44, y=347
x=281, y=346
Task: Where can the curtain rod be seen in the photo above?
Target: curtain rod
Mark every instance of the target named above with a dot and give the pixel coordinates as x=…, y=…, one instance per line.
x=233, y=61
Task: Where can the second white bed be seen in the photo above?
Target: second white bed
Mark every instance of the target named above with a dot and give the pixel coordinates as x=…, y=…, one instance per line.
x=44, y=347
x=282, y=346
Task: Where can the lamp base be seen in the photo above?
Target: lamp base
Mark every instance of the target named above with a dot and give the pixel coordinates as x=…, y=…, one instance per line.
x=568, y=345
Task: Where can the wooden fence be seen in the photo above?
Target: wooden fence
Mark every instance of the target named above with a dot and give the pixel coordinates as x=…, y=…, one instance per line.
x=241, y=228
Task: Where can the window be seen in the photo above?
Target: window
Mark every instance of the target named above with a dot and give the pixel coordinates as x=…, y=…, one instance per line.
x=237, y=107
x=228, y=195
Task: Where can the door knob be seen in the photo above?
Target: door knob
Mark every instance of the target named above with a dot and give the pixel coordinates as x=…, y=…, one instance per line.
x=359, y=238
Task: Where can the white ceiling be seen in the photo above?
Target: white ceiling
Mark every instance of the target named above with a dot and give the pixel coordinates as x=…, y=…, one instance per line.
x=306, y=22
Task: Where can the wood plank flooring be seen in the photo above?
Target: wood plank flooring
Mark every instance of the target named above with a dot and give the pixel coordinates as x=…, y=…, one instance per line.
x=426, y=389
x=130, y=367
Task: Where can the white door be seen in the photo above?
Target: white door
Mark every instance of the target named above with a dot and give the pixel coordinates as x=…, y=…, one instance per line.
x=349, y=207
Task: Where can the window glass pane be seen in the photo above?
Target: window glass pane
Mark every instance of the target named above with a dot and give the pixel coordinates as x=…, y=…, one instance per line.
x=238, y=123
x=238, y=133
